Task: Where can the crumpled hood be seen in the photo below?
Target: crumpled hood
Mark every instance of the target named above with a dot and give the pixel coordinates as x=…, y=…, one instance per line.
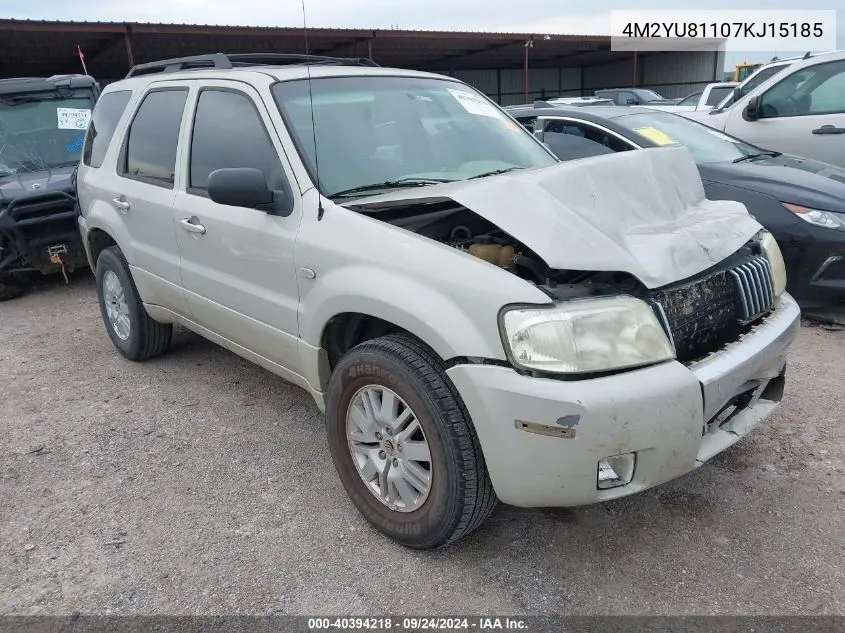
x=642, y=212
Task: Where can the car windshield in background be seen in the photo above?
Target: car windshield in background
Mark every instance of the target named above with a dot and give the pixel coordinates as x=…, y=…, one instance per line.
x=41, y=131
x=647, y=95
x=704, y=143
x=380, y=132
x=717, y=95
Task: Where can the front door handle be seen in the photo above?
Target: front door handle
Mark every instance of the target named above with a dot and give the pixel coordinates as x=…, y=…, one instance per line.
x=120, y=204
x=192, y=225
x=829, y=129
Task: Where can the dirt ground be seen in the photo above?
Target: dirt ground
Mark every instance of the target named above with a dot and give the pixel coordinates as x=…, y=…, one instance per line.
x=198, y=483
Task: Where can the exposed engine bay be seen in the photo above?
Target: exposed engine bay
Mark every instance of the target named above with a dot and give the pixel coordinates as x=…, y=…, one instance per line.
x=466, y=231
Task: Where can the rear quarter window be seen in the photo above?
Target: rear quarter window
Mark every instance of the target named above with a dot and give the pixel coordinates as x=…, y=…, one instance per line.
x=104, y=120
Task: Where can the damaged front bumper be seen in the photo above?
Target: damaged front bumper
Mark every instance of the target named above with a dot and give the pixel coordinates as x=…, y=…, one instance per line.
x=543, y=439
x=39, y=233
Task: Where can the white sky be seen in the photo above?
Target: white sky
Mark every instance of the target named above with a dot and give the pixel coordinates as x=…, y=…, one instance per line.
x=535, y=16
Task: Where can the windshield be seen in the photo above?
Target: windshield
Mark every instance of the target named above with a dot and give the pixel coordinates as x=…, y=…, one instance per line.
x=762, y=75
x=648, y=95
x=706, y=144
x=42, y=131
x=375, y=130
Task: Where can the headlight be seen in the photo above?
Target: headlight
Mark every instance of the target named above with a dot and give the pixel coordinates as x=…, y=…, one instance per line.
x=772, y=252
x=826, y=219
x=585, y=335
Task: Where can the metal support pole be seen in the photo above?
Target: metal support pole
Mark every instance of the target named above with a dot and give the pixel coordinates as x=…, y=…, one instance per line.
x=525, y=73
x=634, y=74
x=127, y=41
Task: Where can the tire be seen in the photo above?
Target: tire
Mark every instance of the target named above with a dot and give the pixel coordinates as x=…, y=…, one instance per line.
x=460, y=495
x=144, y=338
x=11, y=287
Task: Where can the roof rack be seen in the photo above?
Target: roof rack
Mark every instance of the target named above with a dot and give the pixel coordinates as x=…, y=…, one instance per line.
x=222, y=61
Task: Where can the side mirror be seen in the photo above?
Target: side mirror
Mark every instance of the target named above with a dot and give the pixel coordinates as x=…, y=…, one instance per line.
x=246, y=187
x=752, y=109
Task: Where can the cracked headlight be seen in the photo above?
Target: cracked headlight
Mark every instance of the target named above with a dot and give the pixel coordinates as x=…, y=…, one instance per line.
x=826, y=219
x=585, y=335
x=771, y=250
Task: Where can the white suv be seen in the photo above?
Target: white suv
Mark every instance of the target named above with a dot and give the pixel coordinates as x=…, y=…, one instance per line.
x=477, y=320
x=798, y=110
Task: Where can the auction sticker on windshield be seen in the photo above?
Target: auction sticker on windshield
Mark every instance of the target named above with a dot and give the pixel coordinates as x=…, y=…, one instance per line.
x=73, y=118
x=474, y=103
x=655, y=135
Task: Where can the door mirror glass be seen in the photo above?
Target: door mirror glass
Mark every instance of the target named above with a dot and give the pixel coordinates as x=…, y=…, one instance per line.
x=752, y=109
x=240, y=187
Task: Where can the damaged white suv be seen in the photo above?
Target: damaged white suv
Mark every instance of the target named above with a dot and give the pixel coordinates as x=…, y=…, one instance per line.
x=478, y=321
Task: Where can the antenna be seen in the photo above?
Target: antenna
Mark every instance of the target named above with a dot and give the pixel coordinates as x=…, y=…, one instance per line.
x=320, y=210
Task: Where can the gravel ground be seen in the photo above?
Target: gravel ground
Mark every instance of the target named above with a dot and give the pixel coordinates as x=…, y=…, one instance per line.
x=198, y=483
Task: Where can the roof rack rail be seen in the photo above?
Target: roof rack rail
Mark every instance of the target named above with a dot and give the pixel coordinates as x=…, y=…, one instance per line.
x=222, y=61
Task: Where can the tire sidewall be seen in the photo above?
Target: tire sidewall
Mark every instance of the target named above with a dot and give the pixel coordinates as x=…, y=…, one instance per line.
x=435, y=520
x=109, y=260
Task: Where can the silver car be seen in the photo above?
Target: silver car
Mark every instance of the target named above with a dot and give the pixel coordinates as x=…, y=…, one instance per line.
x=477, y=320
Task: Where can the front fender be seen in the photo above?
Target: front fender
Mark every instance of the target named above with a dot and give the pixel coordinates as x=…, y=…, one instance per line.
x=429, y=314
x=448, y=299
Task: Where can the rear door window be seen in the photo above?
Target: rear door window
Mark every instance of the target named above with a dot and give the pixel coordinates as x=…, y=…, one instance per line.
x=151, y=143
x=104, y=120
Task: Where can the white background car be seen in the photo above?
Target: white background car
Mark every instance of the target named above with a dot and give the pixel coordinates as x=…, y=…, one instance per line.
x=798, y=111
x=712, y=95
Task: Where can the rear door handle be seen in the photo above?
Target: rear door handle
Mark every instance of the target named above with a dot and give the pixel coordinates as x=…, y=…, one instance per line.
x=192, y=225
x=120, y=204
x=829, y=129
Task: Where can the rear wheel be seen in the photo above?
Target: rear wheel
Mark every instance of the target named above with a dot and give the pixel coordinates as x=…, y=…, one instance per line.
x=134, y=333
x=11, y=287
x=404, y=446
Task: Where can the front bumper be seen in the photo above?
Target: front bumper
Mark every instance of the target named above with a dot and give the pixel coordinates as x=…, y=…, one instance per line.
x=664, y=414
x=815, y=264
x=39, y=234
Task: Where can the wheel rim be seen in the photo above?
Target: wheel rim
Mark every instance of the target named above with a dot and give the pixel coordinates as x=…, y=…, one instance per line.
x=117, y=310
x=389, y=448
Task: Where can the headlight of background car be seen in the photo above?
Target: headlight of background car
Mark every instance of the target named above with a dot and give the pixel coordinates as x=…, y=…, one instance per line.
x=772, y=252
x=585, y=335
x=827, y=219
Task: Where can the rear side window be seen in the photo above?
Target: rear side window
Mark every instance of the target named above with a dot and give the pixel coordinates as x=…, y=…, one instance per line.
x=150, y=148
x=104, y=120
x=228, y=132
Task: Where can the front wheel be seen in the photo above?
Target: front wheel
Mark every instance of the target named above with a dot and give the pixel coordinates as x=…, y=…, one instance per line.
x=134, y=333
x=404, y=446
x=11, y=287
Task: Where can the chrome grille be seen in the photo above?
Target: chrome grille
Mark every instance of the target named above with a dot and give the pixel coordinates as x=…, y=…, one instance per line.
x=755, y=290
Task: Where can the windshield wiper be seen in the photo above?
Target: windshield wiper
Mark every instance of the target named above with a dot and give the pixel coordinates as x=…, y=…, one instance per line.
x=399, y=183
x=495, y=172
x=747, y=157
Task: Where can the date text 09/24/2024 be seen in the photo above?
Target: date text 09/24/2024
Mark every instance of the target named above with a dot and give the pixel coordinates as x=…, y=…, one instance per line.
x=724, y=30
x=416, y=624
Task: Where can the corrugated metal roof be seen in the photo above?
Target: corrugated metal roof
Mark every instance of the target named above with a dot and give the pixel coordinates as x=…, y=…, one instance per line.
x=186, y=25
